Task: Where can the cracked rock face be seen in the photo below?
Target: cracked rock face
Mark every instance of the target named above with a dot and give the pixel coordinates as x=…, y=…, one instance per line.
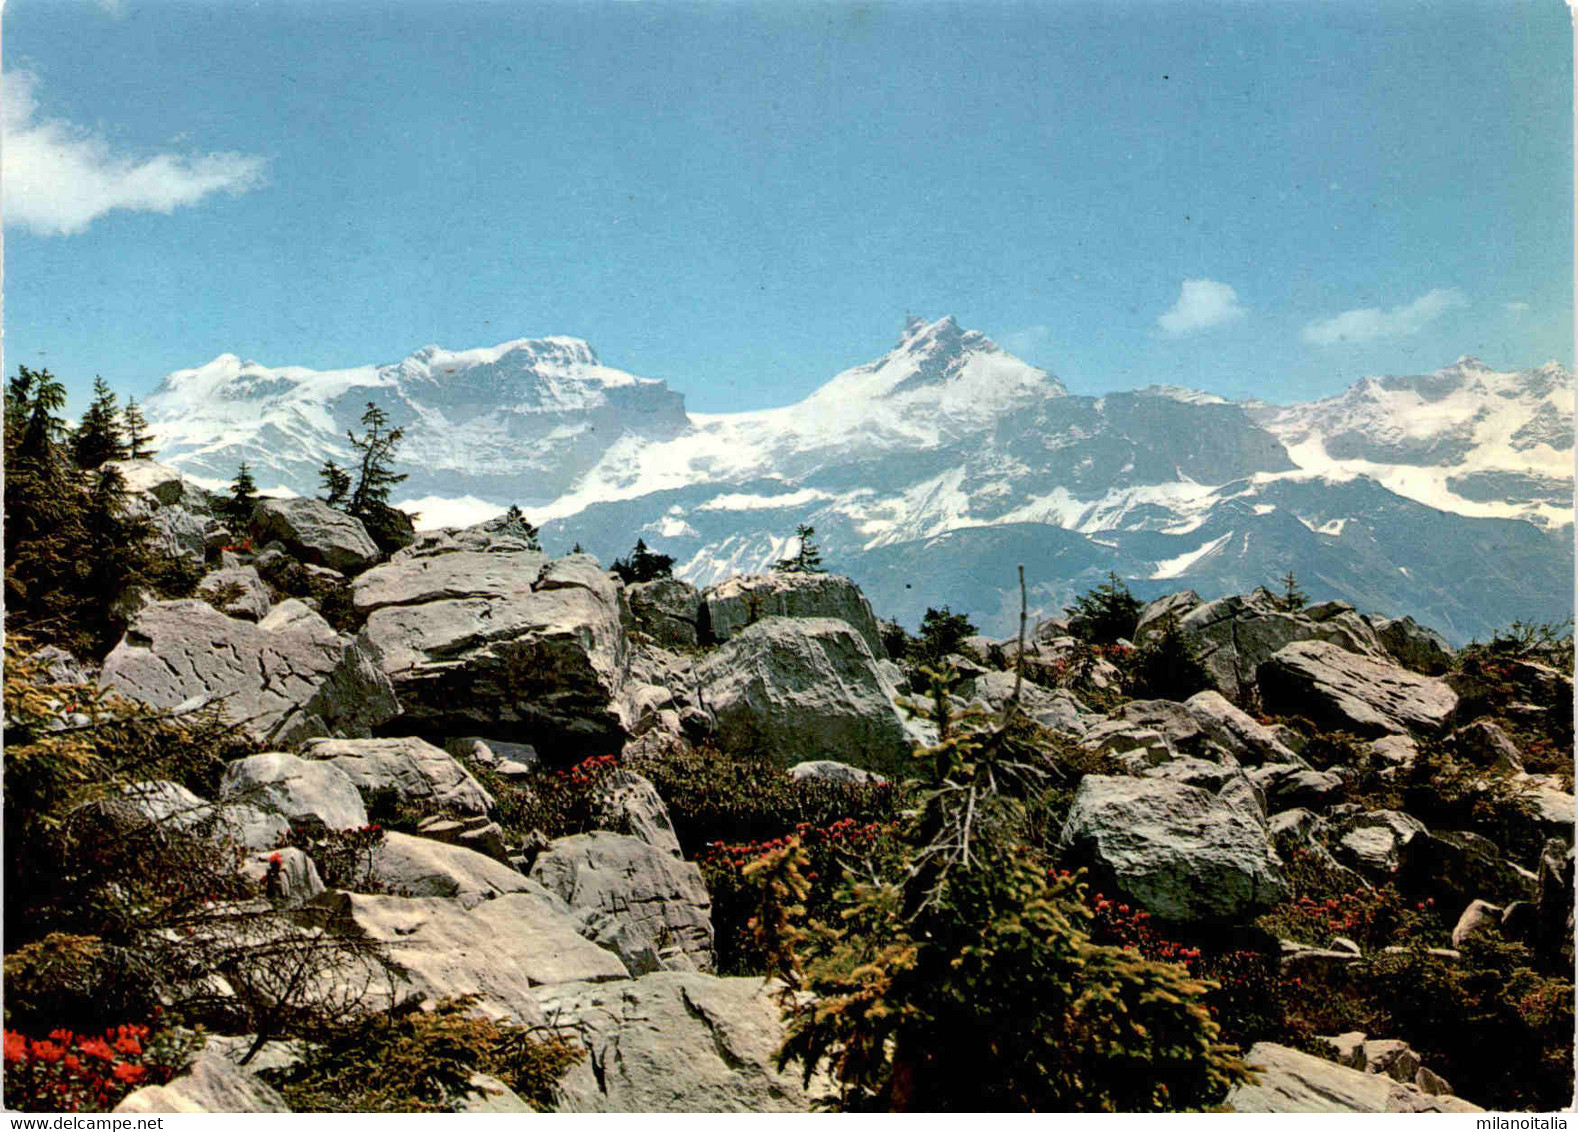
x=632, y=898
x=798, y=690
x=1291, y=1081
x=1235, y=635
x=1183, y=852
x=284, y=685
x=509, y=645
x=498, y=949
x=414, y=771
x=675, y=1042
x=666, y=609
x=1355, y=693
x=739, y=601
x=306, y=793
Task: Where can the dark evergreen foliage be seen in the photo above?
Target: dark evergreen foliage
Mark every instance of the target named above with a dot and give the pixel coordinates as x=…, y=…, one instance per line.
x=941, y=632
x=1168, y=668
x=806, y=560
x=243, y=498
x=1105, y=614
x=335, y=481
x=134, y=428
x=98, y=436
x=643, y=565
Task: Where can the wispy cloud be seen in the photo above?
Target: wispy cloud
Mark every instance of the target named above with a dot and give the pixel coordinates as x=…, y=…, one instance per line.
x=1201, y=303
x=1370, y=323
x=60, y=178
x=1516, y=308
x=1027, y=341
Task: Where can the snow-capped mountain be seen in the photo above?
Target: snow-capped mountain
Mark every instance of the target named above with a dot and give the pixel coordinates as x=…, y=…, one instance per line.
x=931, y=471
x=1465, y=438
x=520, y=421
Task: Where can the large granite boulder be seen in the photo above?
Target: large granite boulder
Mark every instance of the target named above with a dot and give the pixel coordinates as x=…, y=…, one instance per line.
x=1291, y=1081
x=675, y=1042
x=1181, y=851
x=1240, y=734
x=509, y=644
x=410, y=771
x=797, y=690
x=317, y=795
x=314, y=532
x=161, y=483
x=637, y=901
x=744, y=599
x=448, y=946
x=667, y=610
x=284, y=683
x=1346, y=691
x=1233, y=636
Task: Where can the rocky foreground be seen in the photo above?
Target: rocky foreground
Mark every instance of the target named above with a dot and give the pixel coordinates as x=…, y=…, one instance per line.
x=470, y=657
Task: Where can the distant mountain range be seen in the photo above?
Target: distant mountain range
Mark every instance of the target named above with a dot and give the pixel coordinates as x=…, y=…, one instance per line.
x=932, y=471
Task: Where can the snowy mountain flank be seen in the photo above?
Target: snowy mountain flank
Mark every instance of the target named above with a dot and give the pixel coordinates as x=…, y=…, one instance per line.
x=930, y=472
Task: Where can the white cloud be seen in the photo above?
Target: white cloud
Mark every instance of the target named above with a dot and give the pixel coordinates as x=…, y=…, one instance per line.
x=60, y=178
x=1369, y=323
x=1026, y=341
x=1201, y=303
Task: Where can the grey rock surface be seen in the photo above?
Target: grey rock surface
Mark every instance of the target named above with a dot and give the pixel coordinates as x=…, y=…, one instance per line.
x=1181, y=851
x=736, y=602
x=314, y=532
x=639, y=902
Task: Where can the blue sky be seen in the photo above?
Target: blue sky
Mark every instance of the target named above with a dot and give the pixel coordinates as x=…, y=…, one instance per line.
x=1264, y=199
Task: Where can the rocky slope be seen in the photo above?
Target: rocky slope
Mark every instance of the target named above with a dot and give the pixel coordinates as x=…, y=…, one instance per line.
x=470, y=658
x=949, y=447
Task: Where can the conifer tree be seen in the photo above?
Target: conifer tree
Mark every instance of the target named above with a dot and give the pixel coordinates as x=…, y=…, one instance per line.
x=375, y=474
x=98, y=436
x=243, y=496
x=1105, y=614
x=335, y=481
x=806, y=560
x=643, y=565
x=1293, y=599
x=134, y=427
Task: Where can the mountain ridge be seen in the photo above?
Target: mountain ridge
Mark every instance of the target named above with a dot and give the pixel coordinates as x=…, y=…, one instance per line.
x=946, y=432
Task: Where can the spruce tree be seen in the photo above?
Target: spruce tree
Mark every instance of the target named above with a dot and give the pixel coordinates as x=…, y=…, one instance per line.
x=336, y=483
x=389, y=527
x=806, y=560
x=1105, y=614
x=98, y=436
x=47, y=565
x=134, y=427
x=243, y=497
x=1293, y=599
x=375, y=475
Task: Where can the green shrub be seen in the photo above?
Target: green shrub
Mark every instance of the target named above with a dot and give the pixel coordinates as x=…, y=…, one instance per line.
x=1105, y=614
x=1167, y=668
x=963, y=977
x=846, y=846
x=714, y=797
x=414, y=1060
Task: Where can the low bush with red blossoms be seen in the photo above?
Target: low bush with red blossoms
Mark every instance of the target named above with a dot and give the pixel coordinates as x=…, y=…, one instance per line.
x=831, y=849
x=1244, y=999
x=69, y=1072
x=560, y=803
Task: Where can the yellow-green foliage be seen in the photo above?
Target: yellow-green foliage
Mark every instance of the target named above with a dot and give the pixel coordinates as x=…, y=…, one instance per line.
x=424, y=1061
x=995, y=999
